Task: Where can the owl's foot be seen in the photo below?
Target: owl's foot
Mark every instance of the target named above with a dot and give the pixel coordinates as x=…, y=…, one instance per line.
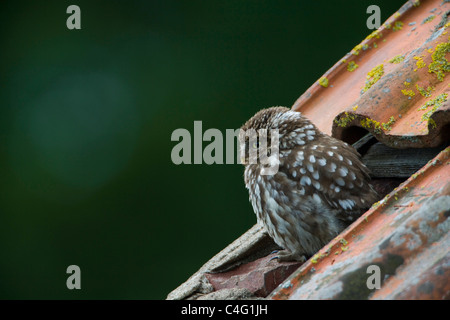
x=287, y=256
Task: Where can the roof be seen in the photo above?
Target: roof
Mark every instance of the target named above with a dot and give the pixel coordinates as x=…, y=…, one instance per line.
x=394, y=85
x=405, y=234
x=389, y=84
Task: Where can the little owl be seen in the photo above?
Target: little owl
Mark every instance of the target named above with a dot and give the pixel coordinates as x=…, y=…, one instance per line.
x=320, y=187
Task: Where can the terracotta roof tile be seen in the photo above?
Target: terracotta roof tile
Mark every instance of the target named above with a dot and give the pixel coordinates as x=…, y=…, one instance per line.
x=395, y=83
x=405, y=234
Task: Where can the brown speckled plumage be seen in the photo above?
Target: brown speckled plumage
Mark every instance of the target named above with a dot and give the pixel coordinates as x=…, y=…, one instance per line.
x=321, y=185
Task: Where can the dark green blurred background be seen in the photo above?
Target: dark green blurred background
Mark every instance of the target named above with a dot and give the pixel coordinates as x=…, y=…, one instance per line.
x=86, y=121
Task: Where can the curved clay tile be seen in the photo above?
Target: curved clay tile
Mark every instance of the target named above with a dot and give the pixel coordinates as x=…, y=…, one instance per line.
x=394, y=84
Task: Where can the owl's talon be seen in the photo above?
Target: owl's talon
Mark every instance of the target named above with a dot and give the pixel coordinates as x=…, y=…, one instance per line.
x=287, y=256
x=273, y=258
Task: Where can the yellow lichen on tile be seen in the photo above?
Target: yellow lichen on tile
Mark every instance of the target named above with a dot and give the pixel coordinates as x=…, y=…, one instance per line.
x=352, y=66
x=323, y=82
x=388, y=125
x=357, y=49
x=375, y=34
x=373, y=76
x=397, y=59
x=398, y=25
x=440, y=64
x=345, y=120
x=435, y=103
x=408, y=93
x=420, y=63
x=377, y=126
x=369, y=123
x=424, y=92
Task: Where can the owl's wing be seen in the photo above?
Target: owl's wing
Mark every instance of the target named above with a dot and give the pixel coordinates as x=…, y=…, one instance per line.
x=332, y=171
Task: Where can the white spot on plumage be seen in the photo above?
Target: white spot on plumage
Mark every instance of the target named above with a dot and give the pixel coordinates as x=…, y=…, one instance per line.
x=305, y=180
x=343, y=171
x=322, y=161
x=333, y=167
x=310, y=167
x=316, y=198
x=298, y=164
x=347, y=204
x=302, y=170
x=340, y=157
x=315, y=175
x=340, y=182
x=352, y=175
x=312, y=159
x=316, y=185
x=294, y=173
x=330, y=153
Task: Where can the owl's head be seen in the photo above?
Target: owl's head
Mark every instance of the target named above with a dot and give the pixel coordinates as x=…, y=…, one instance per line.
x=271, y=131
